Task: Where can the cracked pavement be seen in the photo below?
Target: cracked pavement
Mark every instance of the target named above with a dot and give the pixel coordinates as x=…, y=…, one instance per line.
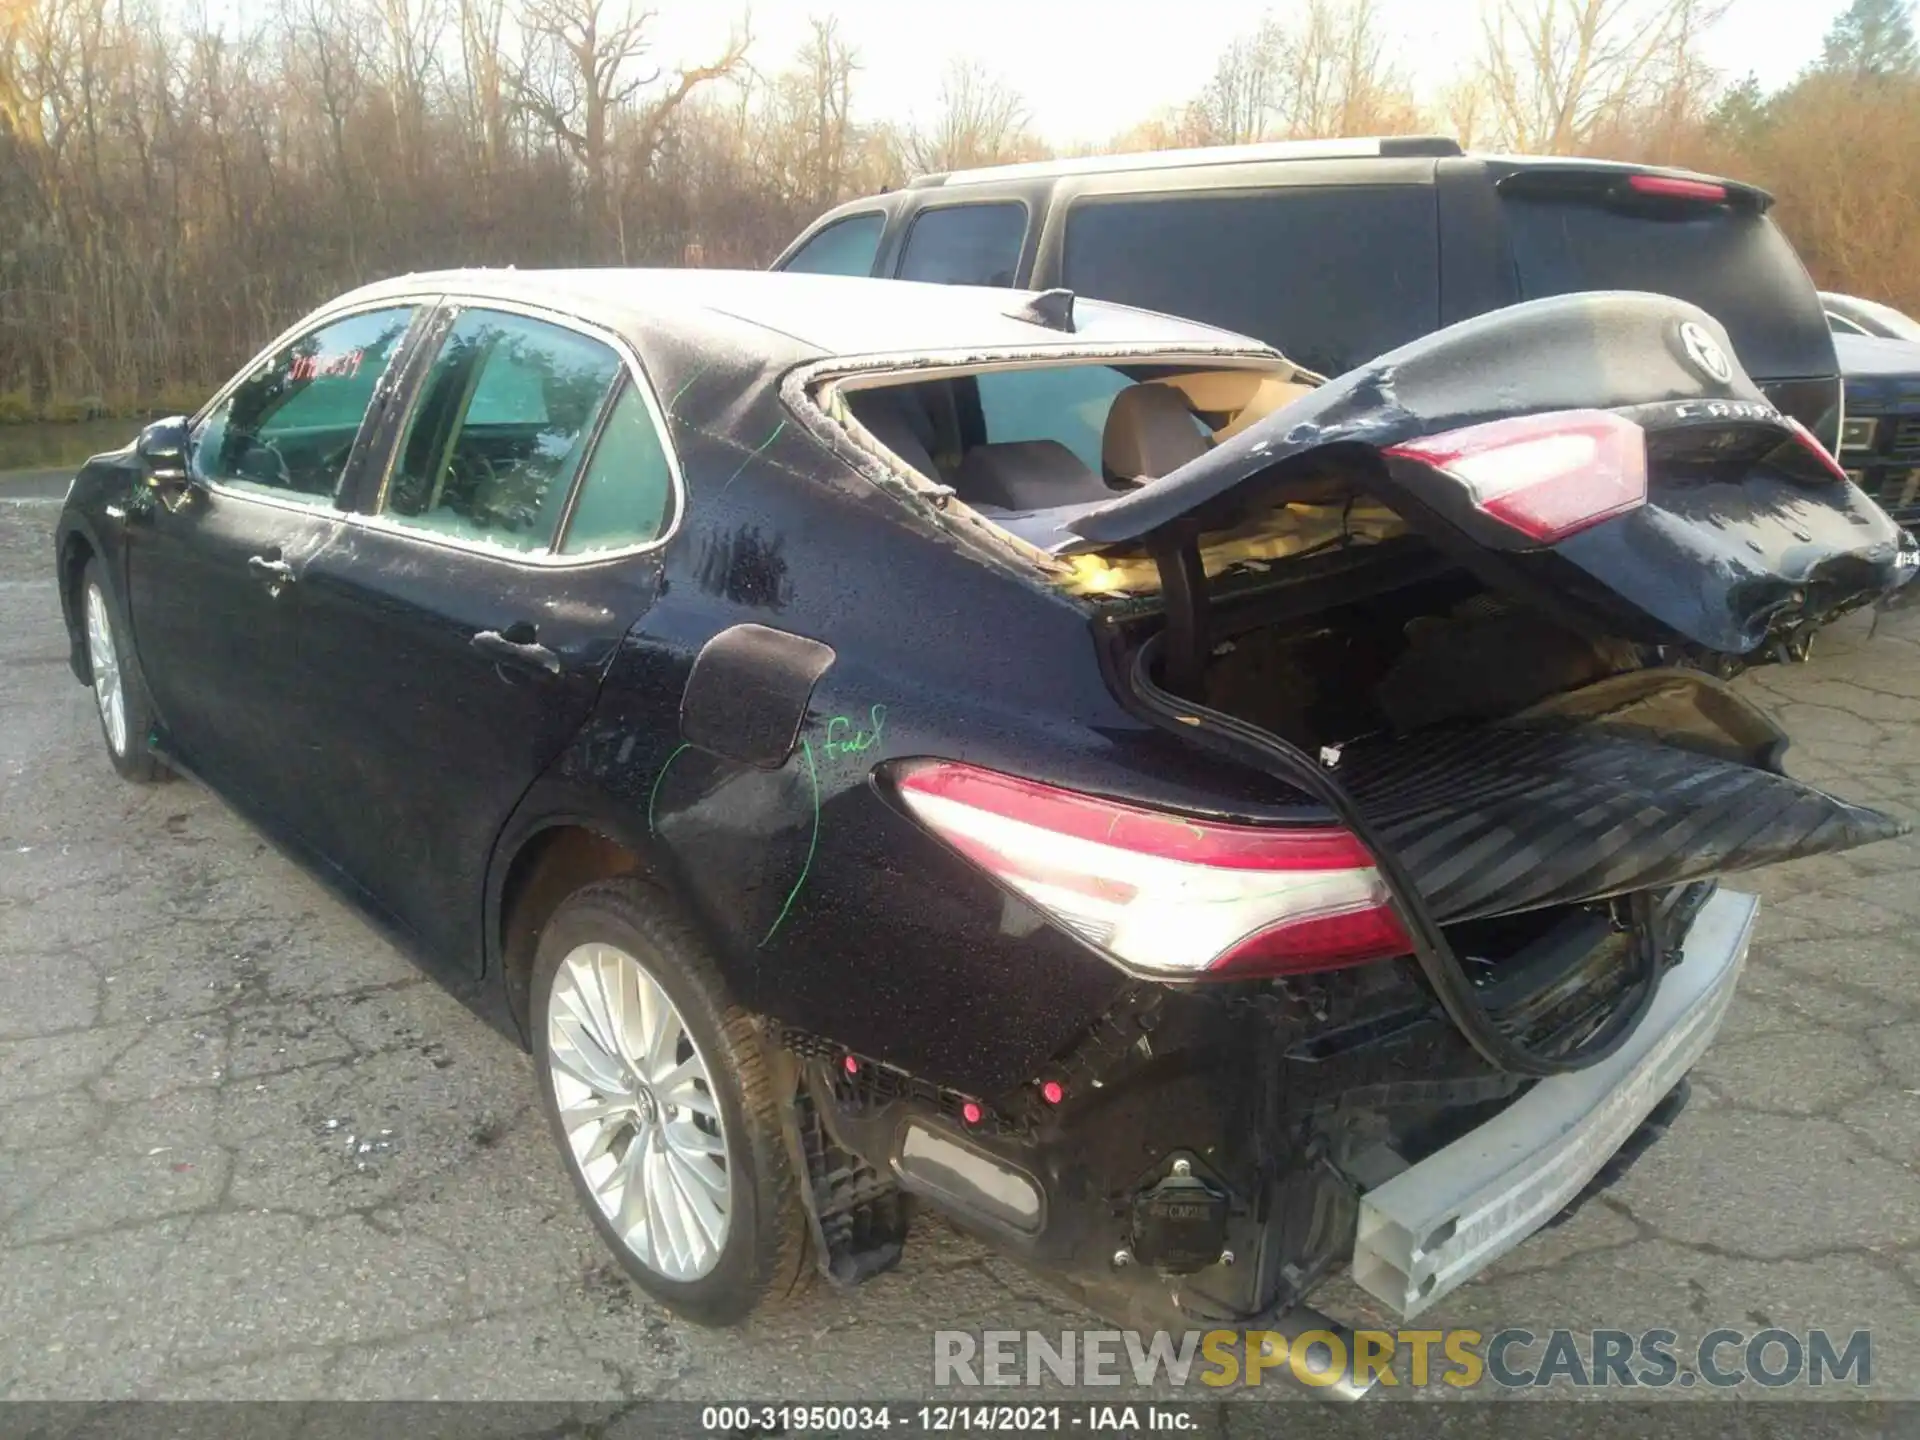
x=247, y=1150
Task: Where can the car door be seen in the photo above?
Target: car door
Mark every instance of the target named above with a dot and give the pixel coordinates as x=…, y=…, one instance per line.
x=213, y=575
x=460, y=638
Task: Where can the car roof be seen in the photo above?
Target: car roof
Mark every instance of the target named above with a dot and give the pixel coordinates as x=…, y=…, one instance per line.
x=1358, y=148
x=831, y=315
x=1382, y=147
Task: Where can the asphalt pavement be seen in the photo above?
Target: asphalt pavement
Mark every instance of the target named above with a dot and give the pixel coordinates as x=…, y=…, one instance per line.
x=247, y=1150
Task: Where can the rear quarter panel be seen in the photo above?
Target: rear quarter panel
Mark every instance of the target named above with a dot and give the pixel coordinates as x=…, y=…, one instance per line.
x=826, y=907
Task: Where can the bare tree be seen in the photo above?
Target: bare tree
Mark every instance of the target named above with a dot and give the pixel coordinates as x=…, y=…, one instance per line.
x=1243, y=100
x=1465, y=109
x=583, y=70
x=487, y=91
x=326, y=58
x=176, y=182
x=412, y=31
x=799, y=123
x=981, y=120
x=826, y=69
x=1338, y=78
x=1324, y=72
x=1559, y=72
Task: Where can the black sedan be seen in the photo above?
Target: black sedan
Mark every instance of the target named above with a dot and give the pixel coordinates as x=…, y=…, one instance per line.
x=886, y=744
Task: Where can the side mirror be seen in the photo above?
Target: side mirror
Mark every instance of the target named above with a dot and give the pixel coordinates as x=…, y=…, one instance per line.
x=163, y=447
x=163, y=444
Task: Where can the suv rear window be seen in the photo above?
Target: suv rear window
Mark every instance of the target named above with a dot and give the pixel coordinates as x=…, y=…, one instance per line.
x=1737, y=267
x=1333, y=275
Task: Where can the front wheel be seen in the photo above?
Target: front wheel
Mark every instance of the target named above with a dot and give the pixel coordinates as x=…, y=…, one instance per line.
x=659, y=1094
x=126, y=716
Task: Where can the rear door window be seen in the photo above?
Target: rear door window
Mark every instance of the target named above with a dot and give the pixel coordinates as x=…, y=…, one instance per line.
x=1736, y=266
x=626, y=496
x=846, y=247
x=965, y=244
x=499, y=430
x=1332, y=275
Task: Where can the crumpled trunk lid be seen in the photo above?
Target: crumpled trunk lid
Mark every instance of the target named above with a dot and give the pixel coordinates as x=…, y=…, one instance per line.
x=1732, y=549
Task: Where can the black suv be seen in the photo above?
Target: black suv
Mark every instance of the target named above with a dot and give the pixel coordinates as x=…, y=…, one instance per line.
x=1339, y=251
x=1879, y=351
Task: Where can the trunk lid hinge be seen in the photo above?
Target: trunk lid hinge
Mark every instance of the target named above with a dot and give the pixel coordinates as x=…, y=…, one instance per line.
x=1183, y=589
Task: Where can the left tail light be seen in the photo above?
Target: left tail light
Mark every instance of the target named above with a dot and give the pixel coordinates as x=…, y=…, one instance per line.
x=1165, y=895
x=1546, y=476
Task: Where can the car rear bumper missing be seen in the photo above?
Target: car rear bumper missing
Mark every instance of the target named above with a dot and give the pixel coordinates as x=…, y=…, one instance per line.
x=1440, y=1222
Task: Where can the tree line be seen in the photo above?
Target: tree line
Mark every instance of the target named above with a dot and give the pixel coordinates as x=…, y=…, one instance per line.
x=173, y=188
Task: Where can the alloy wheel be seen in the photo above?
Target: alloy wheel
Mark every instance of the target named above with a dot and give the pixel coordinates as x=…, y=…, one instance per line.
x=637, y=1104
x=108, y=691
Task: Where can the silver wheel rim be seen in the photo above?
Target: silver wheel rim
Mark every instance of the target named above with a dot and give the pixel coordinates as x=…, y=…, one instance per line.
x=637, y=1103
x=108, y=693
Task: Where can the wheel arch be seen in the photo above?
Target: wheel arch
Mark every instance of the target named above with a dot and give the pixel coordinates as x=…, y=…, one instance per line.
x=76, y=549
x=537, y=864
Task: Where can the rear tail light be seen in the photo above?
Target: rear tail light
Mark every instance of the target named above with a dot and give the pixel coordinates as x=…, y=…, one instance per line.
x=1165, y=895
x=1546, y=476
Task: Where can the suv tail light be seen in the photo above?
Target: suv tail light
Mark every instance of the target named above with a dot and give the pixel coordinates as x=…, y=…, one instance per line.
x=1828, y=466
x=1674, y=187
x=1546, y=476
x=1166, y=895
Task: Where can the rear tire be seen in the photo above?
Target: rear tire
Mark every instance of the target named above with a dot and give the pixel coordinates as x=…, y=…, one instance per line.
x=120, y=699
x=660, y=1097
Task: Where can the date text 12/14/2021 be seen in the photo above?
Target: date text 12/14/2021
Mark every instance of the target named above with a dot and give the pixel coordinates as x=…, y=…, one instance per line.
x=939, y=1419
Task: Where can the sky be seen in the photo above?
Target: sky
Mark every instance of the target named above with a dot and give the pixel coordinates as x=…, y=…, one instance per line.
x=1092, y=68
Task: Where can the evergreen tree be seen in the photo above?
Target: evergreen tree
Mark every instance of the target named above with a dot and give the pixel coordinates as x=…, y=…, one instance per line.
x=1743, y=111
x=1871, y=39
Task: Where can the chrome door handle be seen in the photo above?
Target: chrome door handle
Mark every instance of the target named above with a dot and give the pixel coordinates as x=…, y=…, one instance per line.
x=516, y=652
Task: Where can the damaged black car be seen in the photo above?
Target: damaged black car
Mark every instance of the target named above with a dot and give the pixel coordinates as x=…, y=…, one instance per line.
x=1201, y=827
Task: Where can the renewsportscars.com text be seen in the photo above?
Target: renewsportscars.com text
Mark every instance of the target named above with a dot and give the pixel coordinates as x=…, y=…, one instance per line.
x=1509, y=1359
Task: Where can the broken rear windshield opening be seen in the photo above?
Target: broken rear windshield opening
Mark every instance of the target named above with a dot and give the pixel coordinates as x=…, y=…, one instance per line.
x=1026, y=447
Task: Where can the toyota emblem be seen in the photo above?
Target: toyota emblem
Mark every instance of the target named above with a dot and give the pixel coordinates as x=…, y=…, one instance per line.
x=1705, y=352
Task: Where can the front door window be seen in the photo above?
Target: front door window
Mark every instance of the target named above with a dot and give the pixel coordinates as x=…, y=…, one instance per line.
x=289, y=427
